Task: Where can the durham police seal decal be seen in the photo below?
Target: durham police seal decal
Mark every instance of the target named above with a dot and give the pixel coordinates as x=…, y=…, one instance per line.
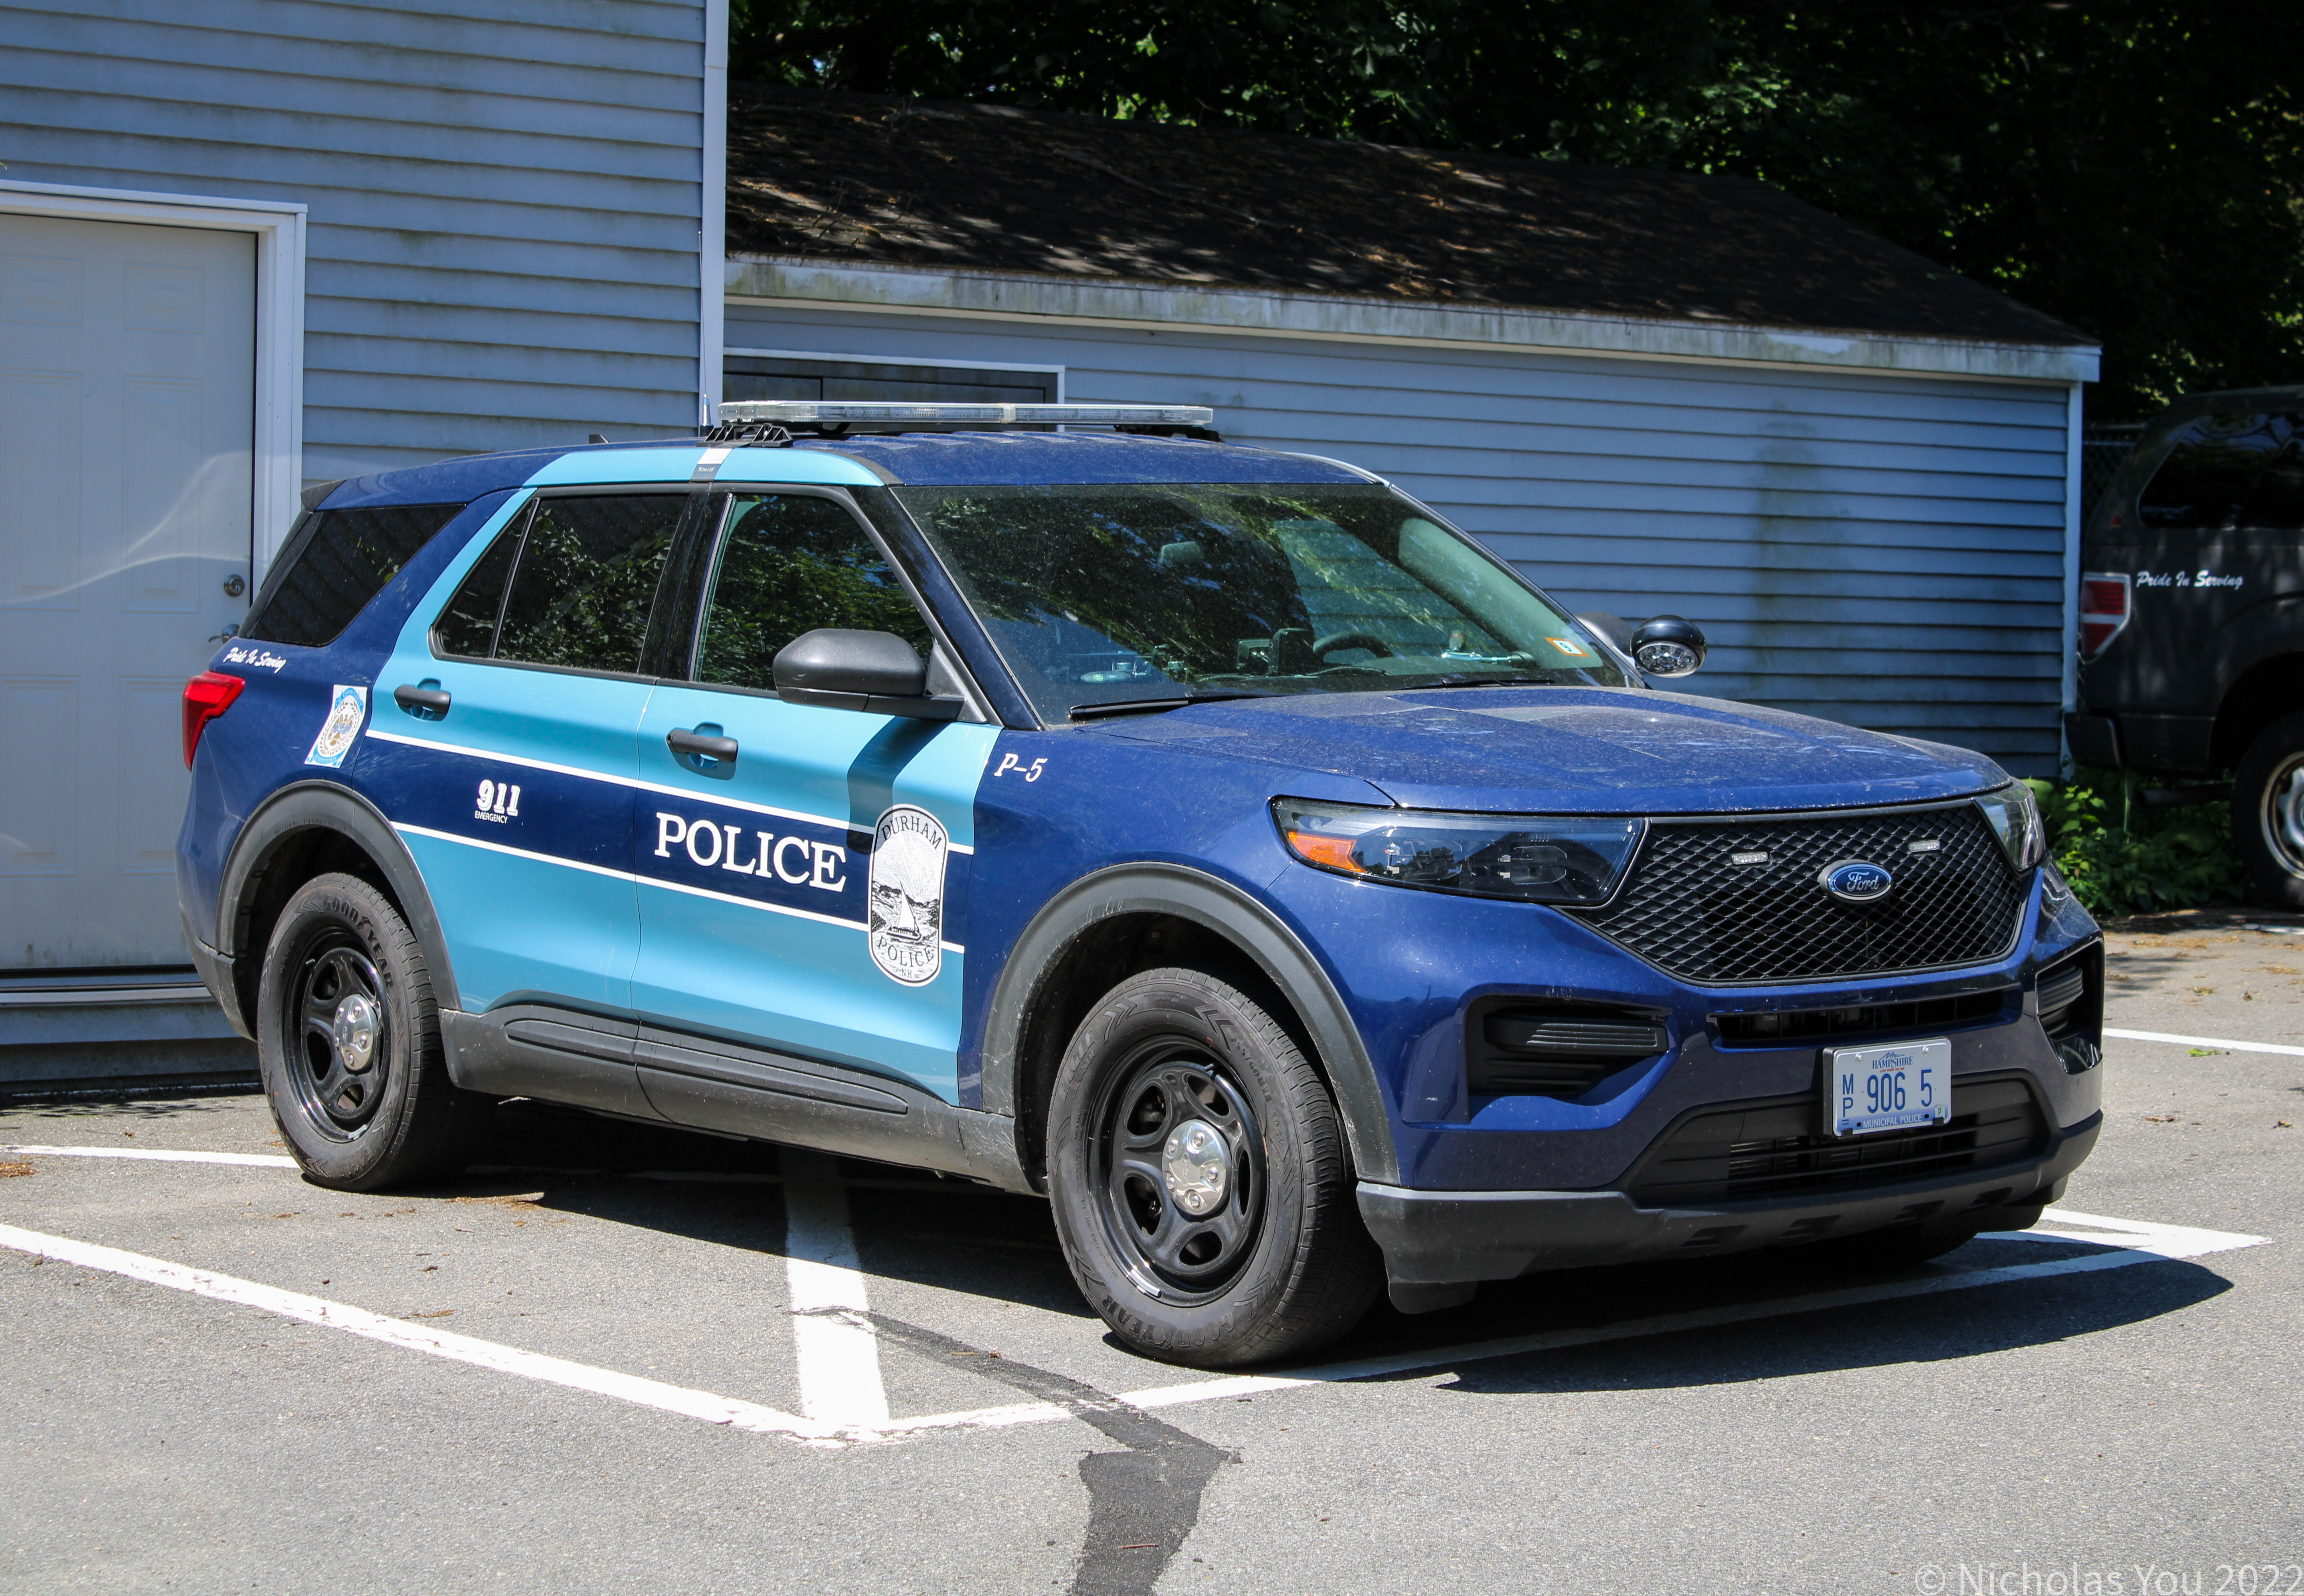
x=906, y=934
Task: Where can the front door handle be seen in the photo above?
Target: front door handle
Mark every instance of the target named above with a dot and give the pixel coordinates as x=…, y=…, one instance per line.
x=698, y=745
x=428, y=703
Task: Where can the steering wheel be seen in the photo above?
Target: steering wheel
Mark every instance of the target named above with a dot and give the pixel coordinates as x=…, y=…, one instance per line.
x=1322, y=648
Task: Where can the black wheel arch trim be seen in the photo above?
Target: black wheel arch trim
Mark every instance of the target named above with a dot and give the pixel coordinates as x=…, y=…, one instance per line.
x=1231, y=914
x=326, y=805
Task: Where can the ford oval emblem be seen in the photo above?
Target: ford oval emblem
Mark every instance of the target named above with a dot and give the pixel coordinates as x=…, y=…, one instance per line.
x=1854, y=881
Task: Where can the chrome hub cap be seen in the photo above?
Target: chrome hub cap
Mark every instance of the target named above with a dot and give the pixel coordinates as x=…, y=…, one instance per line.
x=1198, y=1166
x=355, y=1028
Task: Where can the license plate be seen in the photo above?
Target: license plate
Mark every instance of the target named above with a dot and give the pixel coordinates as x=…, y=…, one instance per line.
x=1869, y=1089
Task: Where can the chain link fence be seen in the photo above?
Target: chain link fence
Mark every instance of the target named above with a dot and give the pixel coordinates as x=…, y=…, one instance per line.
x=2103, y=448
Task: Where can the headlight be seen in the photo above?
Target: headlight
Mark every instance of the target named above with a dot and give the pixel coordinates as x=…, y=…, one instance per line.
x=1533, y=857
x=2015, y=817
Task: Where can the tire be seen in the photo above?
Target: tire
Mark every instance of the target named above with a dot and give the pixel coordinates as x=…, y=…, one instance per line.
x=348, y=1040
x=1277, y=1263
x=2267, y=810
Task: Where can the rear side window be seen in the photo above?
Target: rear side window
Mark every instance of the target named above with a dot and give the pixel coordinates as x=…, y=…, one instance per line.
x=334, y=563
x=789, y=564
x=571, y=586
x=2278, y=504
x=2209, y=480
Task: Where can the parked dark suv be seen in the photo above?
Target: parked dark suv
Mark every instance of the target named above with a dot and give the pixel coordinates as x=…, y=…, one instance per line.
x=2192, y=616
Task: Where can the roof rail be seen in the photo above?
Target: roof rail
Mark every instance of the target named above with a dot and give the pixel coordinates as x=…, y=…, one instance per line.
x=759, y=419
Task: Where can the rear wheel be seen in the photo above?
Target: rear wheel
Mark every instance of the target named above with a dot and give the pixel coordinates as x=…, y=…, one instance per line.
x=2267, y=810
x=1199, y=1174
x=348, y=1038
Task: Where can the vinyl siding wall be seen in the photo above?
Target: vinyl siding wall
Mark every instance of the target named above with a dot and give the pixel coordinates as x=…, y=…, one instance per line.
x=1886, y=552
x=503, y=196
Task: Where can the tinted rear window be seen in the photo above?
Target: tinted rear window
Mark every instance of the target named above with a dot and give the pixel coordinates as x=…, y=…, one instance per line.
x=2208, y=480
x=334, y=563
x=583, y=577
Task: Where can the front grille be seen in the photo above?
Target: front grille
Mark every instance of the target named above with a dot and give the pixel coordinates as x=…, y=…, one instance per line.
x=1692, y=909
x=1778, y=1147
x=1776, y=1026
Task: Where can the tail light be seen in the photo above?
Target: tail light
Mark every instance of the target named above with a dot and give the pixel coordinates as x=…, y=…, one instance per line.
x=2105, y=606
x=206, y=696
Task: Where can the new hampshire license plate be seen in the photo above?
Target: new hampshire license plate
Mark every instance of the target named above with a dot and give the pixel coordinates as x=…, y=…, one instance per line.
x=1869, y=1089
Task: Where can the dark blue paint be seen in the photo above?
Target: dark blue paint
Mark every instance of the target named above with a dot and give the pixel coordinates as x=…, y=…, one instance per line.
x=1193, y=787
x=1571, y=750
x=258, y=745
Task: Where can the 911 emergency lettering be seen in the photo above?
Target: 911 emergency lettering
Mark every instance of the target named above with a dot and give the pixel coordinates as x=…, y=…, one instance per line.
x=499, y=801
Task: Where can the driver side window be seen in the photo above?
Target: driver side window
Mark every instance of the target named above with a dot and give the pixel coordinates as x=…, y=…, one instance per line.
x=789, y=564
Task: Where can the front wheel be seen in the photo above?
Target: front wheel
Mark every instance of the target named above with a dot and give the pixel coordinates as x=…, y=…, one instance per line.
x=348, y=1040
x=2267, y=810
x=1199, y=1179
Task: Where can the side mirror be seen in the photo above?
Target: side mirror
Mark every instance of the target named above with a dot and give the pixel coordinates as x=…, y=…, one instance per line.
x=877, y=672
x=1667, y=646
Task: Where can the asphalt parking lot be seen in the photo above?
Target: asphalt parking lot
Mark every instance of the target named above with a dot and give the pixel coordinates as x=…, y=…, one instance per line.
x=622, y=1359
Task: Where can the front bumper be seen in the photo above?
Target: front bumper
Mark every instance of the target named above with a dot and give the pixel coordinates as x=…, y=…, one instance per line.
x=1442, y=1238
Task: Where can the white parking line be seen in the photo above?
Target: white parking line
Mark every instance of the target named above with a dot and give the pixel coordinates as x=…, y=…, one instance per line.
x=839, y=1355
x=840, y=1379
x=273, y=1161
x=394, y=1333
x=260, y=1160
x=2223, y=1042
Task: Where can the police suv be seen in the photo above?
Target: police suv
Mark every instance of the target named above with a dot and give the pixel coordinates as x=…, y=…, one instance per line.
x=1212, y=839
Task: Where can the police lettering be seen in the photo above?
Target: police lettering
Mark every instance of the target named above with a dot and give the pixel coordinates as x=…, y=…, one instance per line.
x=795, y=860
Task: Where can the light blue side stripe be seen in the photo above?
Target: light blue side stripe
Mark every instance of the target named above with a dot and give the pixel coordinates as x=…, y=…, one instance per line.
x=645, y=881
x=679, y=463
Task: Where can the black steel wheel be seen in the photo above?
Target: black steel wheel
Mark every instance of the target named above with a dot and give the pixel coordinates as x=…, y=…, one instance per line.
x=348, y=1040
x=1179, y=1170
x=342, y=1023
x=2267, y=805
x=1201, y=1185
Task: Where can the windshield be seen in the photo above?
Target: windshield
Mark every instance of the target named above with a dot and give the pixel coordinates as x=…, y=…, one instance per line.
x=1102, y=597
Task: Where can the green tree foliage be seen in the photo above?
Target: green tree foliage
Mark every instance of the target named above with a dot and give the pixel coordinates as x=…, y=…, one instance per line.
x=2135, y=168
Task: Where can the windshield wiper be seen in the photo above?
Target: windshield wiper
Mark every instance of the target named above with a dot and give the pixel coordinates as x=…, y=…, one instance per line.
x=1530, y=679
x=1132, y=707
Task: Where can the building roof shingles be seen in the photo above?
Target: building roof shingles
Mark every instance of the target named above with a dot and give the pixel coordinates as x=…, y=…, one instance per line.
x=859, y=180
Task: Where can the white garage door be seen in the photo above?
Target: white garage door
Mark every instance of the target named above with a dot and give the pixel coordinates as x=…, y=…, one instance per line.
x=127, y=403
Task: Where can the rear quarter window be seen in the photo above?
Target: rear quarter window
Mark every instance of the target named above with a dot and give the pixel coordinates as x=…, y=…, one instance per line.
x=335, y=562
x=571, y=584
x=2209, y=481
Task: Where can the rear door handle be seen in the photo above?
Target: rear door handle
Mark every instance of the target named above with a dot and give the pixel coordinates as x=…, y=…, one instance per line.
x=700, y=745
x=426, y=704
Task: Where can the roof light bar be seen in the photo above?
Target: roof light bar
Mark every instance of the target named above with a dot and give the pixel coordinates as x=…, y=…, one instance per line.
x=843, y=412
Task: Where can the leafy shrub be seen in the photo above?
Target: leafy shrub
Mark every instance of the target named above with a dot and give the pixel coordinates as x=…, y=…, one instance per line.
x=2124, y=858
